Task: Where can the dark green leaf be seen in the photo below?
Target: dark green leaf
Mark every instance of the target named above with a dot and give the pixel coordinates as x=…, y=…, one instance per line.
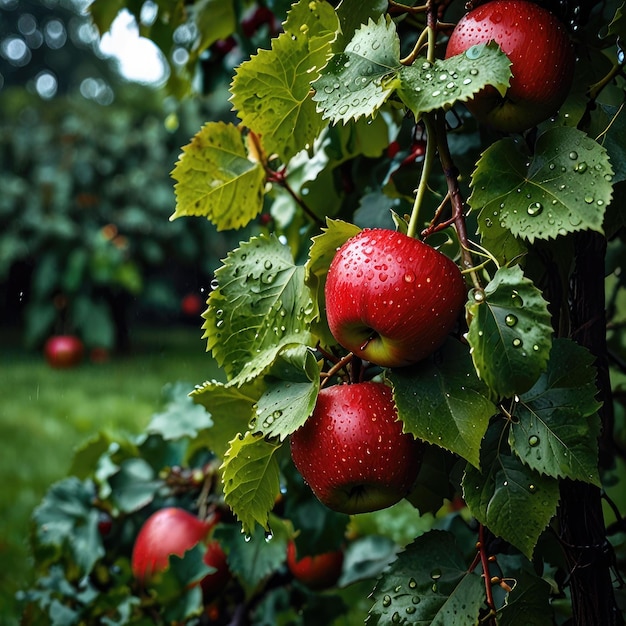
x=134, y=485
x=509, y=333
x=506, y=492
x=429, y=583
x=442, y=401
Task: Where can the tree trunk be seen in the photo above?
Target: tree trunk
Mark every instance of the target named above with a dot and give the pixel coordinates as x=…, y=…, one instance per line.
x=588, y=553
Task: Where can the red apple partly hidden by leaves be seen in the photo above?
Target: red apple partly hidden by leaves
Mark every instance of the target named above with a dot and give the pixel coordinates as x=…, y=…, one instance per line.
x=391, y=299
x=174, y=531
x=352, y=452
x=541, y=55
x=318, y=571
x=63, y=351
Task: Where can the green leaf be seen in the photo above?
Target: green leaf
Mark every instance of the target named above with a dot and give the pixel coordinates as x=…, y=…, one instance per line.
x=181, y=417
x=215, y=178
x=556, y=427
x=429, y=583
x=501, y=242
x=231, y=408
x=134, y=485
x=509, y=332
x=358, y=81
x=611, y=135
x=529, y=600
x=251, y=479
x=215, y=19
x=271, y=90
x=442, y=401
x=104, y=12
x=507, y=491
x=425, y=87
x=253, y=558
x=352, y=15
x=261, y=306
x=67, y=520
x=563, y=187
x=292, y=386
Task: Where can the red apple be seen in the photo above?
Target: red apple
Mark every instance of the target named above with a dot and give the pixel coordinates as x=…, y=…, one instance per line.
x=174, y=531
x=191, y=305
x=63, y=351
x=352, y=452
x=319, y=571
x=541, y=55
x=391, y=299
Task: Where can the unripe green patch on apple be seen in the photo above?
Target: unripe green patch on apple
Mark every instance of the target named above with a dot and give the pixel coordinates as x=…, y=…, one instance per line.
x=392, y=299
x=352, y=451
x=541, y=55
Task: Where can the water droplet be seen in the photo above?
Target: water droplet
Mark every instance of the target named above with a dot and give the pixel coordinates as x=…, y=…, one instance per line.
x=396, y=618
x=219, y=313
x=416, y=599
x=517, y=300
x=436, y=574
x=510, y=320
x=467, y=81
x=479, y=296
x=269, y=535
x=409, y=277
x=214, y=284
x=517, y=342
x=412, y=583
x=343, y=109
x=387, y=601
x=581, y=167
x=247, y=538
x=219, y=323
x=533, y=441
x=474, y=52
x=532, y=488
x=410, y=610
x=534, y=209
x=589, y=199
x=573, y=155
x=436, y=93
x=536, y=348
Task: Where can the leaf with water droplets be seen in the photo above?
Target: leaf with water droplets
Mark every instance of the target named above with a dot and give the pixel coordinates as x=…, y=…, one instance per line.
x=428, y=86
x=251, y=479
x=358, y=81
x=293, y=383
x=216, y=180
x=260, y=306
x=230, y=407
x=271, y=91
x=507, y=491
x=510, y=334
x=442, y=401
x=556, y=427
x=563, y=187
x=428, y=583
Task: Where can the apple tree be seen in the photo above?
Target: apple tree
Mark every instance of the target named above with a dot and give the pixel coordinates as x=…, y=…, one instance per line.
x=353, y=124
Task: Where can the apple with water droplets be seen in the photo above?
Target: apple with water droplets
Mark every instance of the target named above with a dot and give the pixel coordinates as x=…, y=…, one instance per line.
x=392, y=299
x=352, y=451
x=541, y=55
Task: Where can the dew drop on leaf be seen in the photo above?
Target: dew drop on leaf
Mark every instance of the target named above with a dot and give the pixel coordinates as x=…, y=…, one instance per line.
x=534, y=209
x=396, y=618
x=517, y=342
x=387, y=601
x=533, y=441
x=581, y=167
x=412, y=583
x=436, y=574
x=573, y=155
x=510, y=320
x=415, y=599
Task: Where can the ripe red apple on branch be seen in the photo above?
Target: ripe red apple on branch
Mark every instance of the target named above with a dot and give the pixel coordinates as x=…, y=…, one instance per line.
x=541, y=55
x=352, y=452
x=392, y=299
x=173, y=530
x=317, y=571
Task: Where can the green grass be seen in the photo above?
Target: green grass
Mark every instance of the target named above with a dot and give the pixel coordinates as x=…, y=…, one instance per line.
x=46, y=413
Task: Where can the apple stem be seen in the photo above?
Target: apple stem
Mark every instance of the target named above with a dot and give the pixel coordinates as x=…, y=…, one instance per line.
x=429, y=157
x=336, y=368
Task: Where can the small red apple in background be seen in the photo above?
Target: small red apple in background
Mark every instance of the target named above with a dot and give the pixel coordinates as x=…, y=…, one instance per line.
x=63, y=351
x=191, y=305
x=174, y=531
x=318, y=571
x=541, y=55
x=352, y=451
x=391, y=299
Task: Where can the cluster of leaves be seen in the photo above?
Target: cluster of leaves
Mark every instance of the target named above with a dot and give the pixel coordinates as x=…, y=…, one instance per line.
x=84, y=530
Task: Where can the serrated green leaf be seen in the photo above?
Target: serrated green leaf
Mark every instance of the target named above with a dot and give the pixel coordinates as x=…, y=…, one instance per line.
x=500, y=241
x=509, y=333
x=292, y=387
x=251, y=479
x=253, y=558
x=271, y=90
x=66, y=519
x=429, y=583
x=231, y=408
x=618, y=23
x=358, y=81
x=215, y=179
x=134, y=485
x=556, y=427
x=507, y=491
x=425, y=87
x=354, y=14
x=443, y=402
x=260, y=307
x=563, y=187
